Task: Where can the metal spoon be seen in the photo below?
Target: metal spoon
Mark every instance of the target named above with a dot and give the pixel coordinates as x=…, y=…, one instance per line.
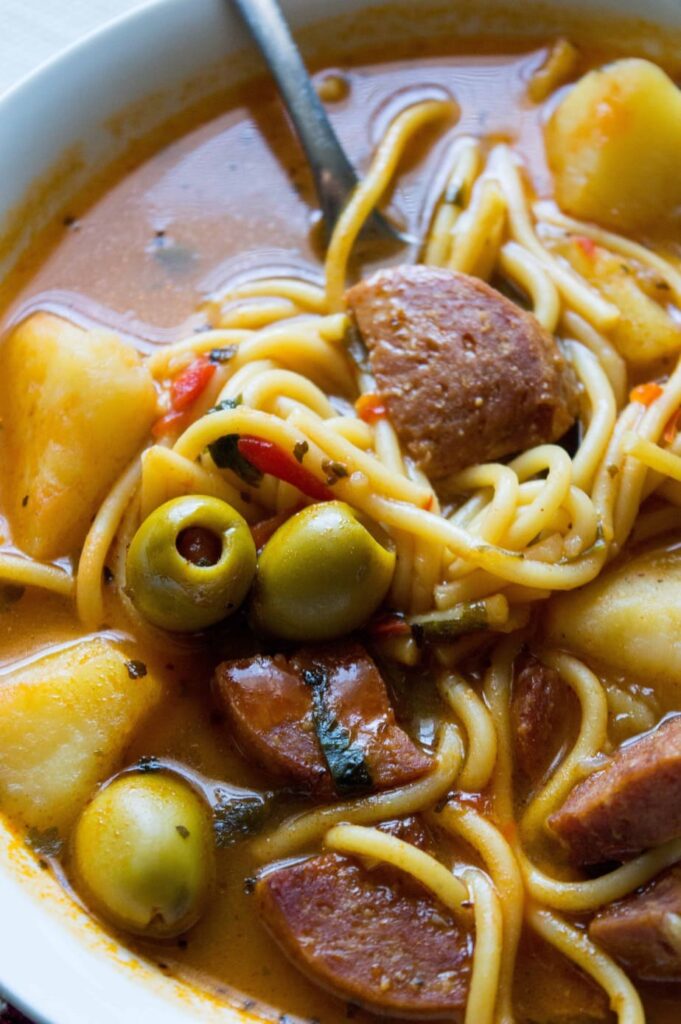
x=334, y=176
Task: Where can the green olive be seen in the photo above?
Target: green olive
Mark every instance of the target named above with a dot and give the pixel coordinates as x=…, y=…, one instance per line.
x=191, y=563
x=322, y=574
x=143, y=854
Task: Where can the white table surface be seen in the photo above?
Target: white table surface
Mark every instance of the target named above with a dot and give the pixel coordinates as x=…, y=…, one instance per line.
x=32, y=31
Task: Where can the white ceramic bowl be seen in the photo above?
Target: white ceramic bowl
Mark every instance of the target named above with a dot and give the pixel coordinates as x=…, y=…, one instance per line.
x=54, y=962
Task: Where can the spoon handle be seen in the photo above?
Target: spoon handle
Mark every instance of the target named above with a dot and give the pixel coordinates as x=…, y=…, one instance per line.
x=334, y=176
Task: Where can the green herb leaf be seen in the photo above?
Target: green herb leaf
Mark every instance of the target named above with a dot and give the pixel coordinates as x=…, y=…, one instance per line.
x=344, y=759
x=226, y=455
x=225, y=451
x=225, y=404
x=237, y=817
x=446, y=626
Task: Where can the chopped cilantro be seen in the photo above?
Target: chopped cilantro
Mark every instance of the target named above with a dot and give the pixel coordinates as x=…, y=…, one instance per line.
x=344, y=759
x=226, y=404
x=226, y=455
x=236, y=817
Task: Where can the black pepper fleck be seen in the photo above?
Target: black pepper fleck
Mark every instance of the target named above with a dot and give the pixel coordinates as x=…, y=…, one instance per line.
x=300, y=450
x=334, y=471
x=222, y=355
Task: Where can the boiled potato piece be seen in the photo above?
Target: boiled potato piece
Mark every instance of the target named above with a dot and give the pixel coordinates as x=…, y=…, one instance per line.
x=645, y=332
x=628, y=619
x=65, y=721
x=614, y=146
x=76, y=406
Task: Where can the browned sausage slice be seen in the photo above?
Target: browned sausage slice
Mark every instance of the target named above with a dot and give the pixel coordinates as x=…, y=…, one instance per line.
x=466, y=375
x=538, y=708
x=373, y=937
x=643, y=931
x=321, y=719
x=631, y=804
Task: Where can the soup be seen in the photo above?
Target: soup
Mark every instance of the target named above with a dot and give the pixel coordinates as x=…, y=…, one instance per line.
x=340, y=581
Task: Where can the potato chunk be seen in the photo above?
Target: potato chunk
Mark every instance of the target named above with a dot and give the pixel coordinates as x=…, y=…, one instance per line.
x=65, y=721
x=645, y=331
x=614, y=145
x=76, y=405
x=629, y=619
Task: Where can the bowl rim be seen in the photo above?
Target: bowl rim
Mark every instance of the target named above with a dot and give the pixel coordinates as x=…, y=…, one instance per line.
x=145, y=994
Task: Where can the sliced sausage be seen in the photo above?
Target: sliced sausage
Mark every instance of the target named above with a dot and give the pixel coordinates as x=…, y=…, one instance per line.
x=374, y=937
x=411, y=830
x=643, y=931
x=465, y=374
x=321, y=719
x=632, y=803
x=538, y=708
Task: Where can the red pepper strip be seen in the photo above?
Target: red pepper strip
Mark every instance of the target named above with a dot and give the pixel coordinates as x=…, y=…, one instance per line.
x=186, y=388
x=370, y=407
x=672, y=428
x=262, y=531
x=389, y=625
x=587, y=245
x=646, y=394
x=270, y=458
x=173, y=420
